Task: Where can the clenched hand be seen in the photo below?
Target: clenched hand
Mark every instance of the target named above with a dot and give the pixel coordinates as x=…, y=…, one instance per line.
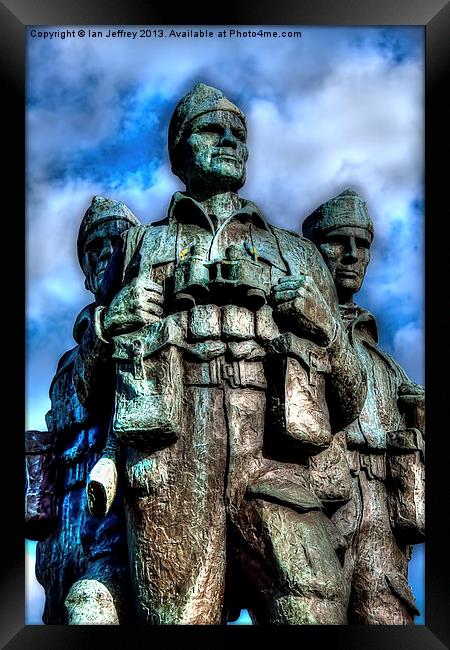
x=137, y=304
x=299, y=300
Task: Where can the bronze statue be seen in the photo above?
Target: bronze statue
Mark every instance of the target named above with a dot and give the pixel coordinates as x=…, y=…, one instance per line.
x=233, y=369
x=81, y=560
x=385, y=445
x=228, y=397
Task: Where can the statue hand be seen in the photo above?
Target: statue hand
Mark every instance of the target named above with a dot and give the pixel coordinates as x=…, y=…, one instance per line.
x=101, y=487
x=410, y=388
x=137, y=304
x=299, y=299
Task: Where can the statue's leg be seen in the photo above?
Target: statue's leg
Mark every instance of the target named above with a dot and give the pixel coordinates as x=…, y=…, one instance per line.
x=90, y=602
x=50, y=574
x=380, y=592
x=347, y=520
x=176, y=518
x=102, y=595
x=60, y=559
x=290, y=565
x=284, y=561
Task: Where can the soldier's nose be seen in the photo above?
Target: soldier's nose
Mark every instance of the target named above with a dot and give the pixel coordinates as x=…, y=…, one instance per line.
x=228, y=139
x=107, y=250
x=350, y=251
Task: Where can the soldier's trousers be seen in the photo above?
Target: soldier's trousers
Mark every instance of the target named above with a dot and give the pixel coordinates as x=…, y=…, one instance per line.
x=194, y=529
x=376, y=565
x=82, y=566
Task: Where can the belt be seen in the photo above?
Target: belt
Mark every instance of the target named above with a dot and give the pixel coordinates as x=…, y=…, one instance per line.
x=238, y=374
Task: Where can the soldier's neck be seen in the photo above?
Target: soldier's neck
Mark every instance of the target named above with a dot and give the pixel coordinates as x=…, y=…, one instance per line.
x=347, y=308
x=345, y=298
x=219, y=206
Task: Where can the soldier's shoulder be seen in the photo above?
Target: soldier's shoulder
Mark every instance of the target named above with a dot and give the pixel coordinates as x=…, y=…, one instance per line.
x=136, y=235
x=285, y=232
x=294, y=235
x=296, y=240
x=157, y=227
x=133, y=234
x=159, y=222
x=65, y=363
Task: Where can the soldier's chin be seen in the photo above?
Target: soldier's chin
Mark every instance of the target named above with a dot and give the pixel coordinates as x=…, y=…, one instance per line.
x=350, y=284
x=95, y=282
x=227, y=178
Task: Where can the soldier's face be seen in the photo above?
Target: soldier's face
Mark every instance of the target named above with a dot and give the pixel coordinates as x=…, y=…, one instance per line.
x=215, y=152
x=346, y=251
x=98, y=248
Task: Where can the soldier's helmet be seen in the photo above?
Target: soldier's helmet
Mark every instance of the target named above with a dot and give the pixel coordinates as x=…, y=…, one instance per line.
x=198, y=101
x=102, y=209
x=346, y=209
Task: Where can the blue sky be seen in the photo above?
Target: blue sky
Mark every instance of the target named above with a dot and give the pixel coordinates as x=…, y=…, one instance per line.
x=336, y=108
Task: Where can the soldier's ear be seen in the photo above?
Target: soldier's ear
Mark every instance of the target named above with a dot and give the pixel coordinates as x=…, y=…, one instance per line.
x=87, y=283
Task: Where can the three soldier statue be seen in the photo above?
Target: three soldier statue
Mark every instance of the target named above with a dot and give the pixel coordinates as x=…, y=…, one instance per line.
x=227, y=432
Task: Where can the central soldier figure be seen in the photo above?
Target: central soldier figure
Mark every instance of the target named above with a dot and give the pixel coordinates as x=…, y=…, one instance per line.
x=233, y=370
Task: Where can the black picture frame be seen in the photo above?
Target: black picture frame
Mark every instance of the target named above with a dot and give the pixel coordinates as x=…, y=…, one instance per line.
x=15, y=17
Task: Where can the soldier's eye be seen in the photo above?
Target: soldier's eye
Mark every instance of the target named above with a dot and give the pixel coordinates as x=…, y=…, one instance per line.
x=335, y=240
x=211, y=128
x=239, y=134
x=93, y=246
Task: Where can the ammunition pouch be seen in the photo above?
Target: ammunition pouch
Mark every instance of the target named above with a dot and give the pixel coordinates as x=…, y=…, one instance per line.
x=406, y=485
x=296, y=370
x=148, y=406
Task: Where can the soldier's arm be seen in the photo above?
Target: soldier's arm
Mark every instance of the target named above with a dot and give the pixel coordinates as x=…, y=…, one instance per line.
x=129, y=300
x=121, y=307
x=309, y=303
x=410, y=398
x=346, y=388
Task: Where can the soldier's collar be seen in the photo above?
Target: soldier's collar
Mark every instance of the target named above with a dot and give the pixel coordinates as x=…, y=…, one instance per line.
x=82, y=321
x=356, y=317
x=349, y=312
x=185, y=209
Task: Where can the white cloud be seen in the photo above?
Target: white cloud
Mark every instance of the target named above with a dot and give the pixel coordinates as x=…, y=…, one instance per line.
x=408, y=351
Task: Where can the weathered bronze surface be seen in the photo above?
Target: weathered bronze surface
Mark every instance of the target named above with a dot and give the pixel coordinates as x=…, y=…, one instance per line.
x=385, y=446
x=227, y=370
x=81, y=561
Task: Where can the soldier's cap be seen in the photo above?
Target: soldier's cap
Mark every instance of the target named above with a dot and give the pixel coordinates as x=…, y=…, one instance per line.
x=198, y=101
x=102, y=209
x=345, y=209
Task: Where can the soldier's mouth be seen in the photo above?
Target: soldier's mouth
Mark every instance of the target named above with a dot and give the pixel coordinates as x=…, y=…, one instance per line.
x=348, y=274
x=226, y=156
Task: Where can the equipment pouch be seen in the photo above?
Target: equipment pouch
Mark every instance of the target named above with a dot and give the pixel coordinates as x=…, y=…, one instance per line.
x=406, y=485
x=297, y=369
x=148, y=405
x=329, y=473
